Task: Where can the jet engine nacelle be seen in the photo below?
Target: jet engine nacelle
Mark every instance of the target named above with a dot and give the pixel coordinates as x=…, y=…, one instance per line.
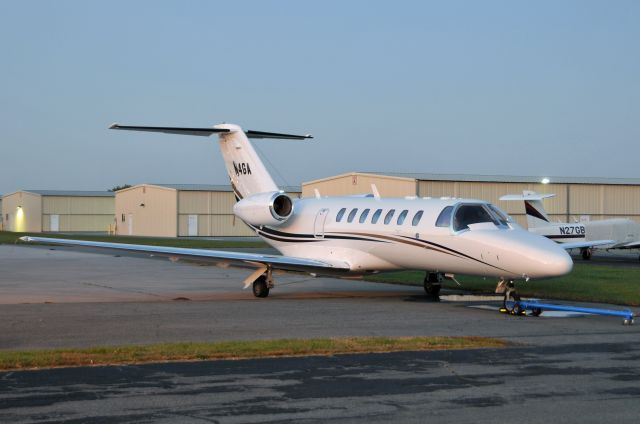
x=272, y=208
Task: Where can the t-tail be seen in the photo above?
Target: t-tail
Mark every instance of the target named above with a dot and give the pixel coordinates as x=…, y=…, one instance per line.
x=536, y=215
x=247, y=173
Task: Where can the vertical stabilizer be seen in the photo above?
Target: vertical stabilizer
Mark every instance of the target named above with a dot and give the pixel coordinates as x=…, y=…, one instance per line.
x=536, y=215
x=246, y=171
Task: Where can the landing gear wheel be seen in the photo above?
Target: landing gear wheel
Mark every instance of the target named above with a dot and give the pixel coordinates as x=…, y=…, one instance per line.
x=432, y=284
x=511, y=302
x=260, y=287
x=536, y=312
x=586, y=254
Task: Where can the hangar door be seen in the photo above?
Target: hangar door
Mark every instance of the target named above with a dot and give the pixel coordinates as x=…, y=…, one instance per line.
x=192, y=230
x=54, y=222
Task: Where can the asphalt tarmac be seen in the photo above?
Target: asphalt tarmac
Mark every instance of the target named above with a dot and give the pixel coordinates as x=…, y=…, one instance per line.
x=579, y=369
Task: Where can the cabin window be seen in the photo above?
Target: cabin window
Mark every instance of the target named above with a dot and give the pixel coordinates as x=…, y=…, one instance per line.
x=416, y=218
x=402, y=216
x=376, y=216
x=387, y=218
x=340, y=214
x=470, y=214
x=444, y=219
x=363, y=216
x=352, y=214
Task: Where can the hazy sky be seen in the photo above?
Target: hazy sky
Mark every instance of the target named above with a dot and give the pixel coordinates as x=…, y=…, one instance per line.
x=477, y=87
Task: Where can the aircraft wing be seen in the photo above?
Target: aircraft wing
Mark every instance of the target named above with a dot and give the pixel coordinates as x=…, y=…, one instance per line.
x=585, y=244
x=248, y=260
x=632, y=245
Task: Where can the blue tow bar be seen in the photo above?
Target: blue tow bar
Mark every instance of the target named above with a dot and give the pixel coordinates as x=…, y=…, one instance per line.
x=537, y=308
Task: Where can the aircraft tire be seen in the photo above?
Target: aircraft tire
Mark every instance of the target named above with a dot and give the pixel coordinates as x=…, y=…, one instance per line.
x=432, y=290
x=586, y=254
x=510, y=302
x=432, y=284
x=260, y=288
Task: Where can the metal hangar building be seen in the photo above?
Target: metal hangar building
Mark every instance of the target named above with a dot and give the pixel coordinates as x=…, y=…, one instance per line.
x=58, y=211
x=180, y=210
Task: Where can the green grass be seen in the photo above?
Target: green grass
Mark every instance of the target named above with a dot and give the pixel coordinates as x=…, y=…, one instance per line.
x=588, y=283
x=7, y=237
x=12, y=360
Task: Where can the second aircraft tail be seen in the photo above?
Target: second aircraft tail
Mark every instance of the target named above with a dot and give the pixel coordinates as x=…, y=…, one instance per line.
x=536, y=214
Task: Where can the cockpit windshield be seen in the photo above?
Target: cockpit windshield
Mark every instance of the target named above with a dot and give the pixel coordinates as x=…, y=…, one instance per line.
x=471, y=214
x=502, y=217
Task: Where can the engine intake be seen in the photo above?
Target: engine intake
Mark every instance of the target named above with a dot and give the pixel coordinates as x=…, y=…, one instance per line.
x=272, y=208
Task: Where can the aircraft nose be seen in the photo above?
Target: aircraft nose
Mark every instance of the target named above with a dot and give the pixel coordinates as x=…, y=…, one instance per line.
x=557, y=263
x=539, y=257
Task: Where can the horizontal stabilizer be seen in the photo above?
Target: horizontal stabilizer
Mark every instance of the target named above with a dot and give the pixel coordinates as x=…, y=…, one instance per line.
x=262, y=134
x=528, y=196
x=203, y=132
x=586, y=244
x=206, y=132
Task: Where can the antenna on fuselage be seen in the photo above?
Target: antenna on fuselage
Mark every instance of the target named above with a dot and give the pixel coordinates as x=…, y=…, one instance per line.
x=376, y=193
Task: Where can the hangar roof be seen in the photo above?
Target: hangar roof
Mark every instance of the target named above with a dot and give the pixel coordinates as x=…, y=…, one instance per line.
x=72, y=193
x=214, y=187
x=509, y=178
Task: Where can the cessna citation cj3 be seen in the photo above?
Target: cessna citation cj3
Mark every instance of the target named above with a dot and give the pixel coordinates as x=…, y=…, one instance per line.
x=357, y=235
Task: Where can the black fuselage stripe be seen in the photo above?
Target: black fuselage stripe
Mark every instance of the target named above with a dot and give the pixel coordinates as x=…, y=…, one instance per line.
x=263, y=234
x=565, y=236
x=461, y=254
x=283, y=234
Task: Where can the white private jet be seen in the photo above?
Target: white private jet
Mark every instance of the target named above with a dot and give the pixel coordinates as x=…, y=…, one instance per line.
x=358, y=235
x=617, y=233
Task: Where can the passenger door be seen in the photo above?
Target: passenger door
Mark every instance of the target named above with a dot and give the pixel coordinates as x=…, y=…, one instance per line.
x=318, y=225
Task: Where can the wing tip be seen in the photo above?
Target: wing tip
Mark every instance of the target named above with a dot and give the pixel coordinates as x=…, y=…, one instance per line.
x=114, y=126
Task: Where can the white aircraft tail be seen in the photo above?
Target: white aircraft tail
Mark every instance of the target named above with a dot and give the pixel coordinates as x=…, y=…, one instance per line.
x=536, y=214
x=246, y=171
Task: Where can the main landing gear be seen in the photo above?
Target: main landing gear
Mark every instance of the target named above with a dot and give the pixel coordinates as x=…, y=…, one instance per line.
x=432, y=284
x=586, y=253
x=260, y=287
x=261, y=281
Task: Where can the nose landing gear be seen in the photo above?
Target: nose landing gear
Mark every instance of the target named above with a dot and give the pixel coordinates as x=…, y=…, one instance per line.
x=511, y=299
